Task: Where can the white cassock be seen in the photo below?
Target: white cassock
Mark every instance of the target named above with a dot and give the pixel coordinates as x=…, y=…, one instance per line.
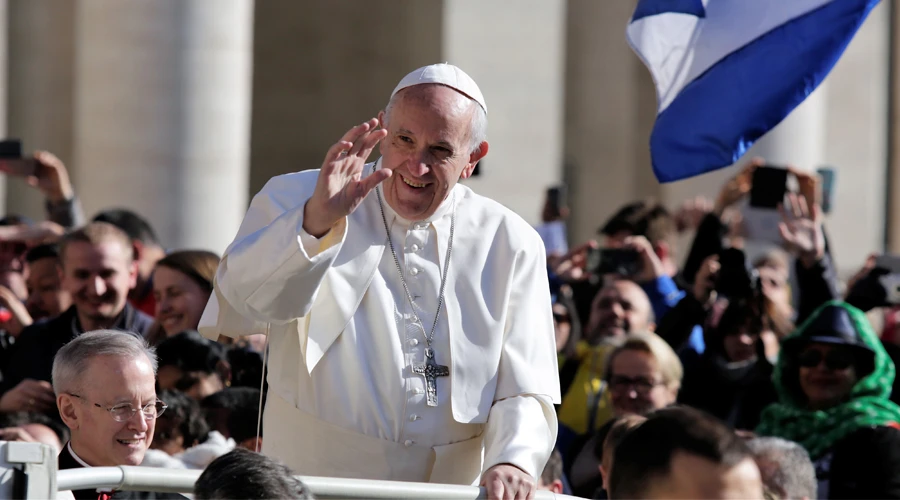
x=343, y=400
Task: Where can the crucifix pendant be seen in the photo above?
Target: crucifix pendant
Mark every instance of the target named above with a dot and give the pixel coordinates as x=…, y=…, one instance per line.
x=430, y=370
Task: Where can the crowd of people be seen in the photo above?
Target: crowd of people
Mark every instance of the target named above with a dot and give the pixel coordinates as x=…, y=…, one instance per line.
x=66, y=275
x=678, y=371
x=705, y=375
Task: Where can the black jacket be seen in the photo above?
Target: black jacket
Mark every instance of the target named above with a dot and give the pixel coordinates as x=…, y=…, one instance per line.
x=34, y=350
x=65, y=460
x=865, y=464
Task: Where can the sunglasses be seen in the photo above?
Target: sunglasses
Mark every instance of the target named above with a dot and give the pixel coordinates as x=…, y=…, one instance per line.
x=834, y=360
x=561, y=318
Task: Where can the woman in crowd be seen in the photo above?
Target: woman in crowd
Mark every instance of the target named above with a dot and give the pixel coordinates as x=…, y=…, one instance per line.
x=192, y=364
x=732, y=379
x=182, y=284
x=182, y=438
x=642, y=374
x=833, y=379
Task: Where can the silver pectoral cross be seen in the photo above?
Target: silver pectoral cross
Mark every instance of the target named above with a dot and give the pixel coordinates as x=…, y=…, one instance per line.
x=431, y=371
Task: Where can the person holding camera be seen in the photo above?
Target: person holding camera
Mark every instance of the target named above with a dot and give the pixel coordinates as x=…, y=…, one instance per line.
x=744, y=319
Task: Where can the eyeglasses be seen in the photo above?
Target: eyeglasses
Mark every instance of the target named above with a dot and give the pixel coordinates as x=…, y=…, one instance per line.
x=641, y=385
x=125, y=411
x=834, y=360
x=561, y=318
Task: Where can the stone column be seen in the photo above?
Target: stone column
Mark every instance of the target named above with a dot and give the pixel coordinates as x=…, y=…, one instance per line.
x=893, y=214
x=610, y=108
x=162, y=114
x=312, y=82
x=856, y=143
x=517, y=56
x=41, y=81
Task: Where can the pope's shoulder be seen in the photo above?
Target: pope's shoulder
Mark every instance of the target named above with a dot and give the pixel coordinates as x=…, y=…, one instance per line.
x=492, y=216
x=291, y=182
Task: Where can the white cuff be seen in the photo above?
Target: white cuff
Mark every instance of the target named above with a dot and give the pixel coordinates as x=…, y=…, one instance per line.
x=520, y=431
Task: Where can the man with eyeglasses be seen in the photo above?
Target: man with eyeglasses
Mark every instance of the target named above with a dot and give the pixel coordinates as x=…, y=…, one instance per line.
x=105, y=386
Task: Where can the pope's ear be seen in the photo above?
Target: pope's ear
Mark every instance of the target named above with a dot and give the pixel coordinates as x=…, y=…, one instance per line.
x=474, y=158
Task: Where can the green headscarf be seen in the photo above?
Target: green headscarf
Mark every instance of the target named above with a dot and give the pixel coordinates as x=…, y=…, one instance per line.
x=818, y=431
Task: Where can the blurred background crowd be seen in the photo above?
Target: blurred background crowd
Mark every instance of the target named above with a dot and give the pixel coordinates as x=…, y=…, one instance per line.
x=764, y=295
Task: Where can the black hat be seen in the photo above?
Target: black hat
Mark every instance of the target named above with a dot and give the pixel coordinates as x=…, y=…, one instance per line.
x=830, y=325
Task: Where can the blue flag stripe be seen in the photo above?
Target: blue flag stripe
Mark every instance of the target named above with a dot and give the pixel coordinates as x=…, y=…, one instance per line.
x=718, y=116
x=646, y=8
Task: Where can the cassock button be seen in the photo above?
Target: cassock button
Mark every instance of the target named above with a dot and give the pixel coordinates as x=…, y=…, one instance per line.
x=408, y=443
x=413, y=417
x=414, y=271
x=413, y=341
x=414, y=247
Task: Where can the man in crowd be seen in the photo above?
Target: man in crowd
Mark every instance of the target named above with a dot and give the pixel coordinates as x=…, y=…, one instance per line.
x=393, y=356
x=786, y=469
x=105, y=386
x=621, y=307
x=244, y=474
x=147, y=252
x=552, y=477
x=97, y=271
x=46, y=296
x=680, y=452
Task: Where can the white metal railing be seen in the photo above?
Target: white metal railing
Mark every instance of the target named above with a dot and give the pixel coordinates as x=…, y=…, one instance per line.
x=182, y=481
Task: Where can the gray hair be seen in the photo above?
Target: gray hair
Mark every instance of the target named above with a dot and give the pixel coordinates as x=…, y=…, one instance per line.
x=785, y=467
x=477, y=129
x=72, y=360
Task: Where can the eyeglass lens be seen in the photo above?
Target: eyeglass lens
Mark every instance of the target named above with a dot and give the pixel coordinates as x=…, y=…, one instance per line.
x=834, y=360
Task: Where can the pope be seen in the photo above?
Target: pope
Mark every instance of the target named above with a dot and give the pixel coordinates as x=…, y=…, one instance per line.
x=409, y=320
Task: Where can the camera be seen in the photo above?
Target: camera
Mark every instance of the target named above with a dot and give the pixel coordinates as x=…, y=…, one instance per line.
x=621, y=261
x=736, y=277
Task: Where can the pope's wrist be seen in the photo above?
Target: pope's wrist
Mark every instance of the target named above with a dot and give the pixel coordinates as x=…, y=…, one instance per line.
x=313, y=225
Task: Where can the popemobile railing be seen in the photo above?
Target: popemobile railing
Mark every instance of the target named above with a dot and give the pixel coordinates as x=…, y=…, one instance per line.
x=28, y=470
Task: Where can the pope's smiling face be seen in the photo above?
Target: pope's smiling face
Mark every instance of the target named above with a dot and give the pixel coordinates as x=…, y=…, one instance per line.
x=428, y=148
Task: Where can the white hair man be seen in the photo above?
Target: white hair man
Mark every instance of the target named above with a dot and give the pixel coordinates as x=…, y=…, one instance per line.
x=411, y=327
x=105, y=385
x=786, y=468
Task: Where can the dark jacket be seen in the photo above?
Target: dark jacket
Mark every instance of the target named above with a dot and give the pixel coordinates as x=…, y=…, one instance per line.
x=33, y=354
x=65, y=460
x=735, y=394
x=862, y=465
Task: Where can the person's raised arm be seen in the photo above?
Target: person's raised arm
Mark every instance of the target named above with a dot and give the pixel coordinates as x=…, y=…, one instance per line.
x=293, y=232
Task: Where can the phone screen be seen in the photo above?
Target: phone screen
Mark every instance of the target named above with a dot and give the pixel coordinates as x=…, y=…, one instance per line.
x=769, y=187
x=621, y=261
x=22, y=167
x=10, y=149
x=827, y=176
x=888, y=262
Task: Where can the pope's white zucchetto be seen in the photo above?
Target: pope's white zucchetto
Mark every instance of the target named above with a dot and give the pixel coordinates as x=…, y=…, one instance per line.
x=444, y=74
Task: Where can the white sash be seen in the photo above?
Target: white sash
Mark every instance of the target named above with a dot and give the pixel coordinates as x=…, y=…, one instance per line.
x=312, y=447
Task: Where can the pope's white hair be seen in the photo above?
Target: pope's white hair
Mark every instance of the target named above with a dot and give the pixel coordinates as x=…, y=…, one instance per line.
x=477, y=129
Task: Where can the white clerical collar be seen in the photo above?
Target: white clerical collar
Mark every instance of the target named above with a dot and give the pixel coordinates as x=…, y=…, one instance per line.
x=443, y=210
x=75, y=455
x=85, y=464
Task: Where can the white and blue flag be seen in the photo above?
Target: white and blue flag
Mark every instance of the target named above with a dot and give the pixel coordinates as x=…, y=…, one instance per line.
x=728, y=71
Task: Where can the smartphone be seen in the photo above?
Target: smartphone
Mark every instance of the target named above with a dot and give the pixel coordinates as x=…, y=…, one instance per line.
x=557, y=196
x=888, y=262
x=769, y=187
x=826, y=174
x=556, y=200
x=621, y=261
x=12, y=162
